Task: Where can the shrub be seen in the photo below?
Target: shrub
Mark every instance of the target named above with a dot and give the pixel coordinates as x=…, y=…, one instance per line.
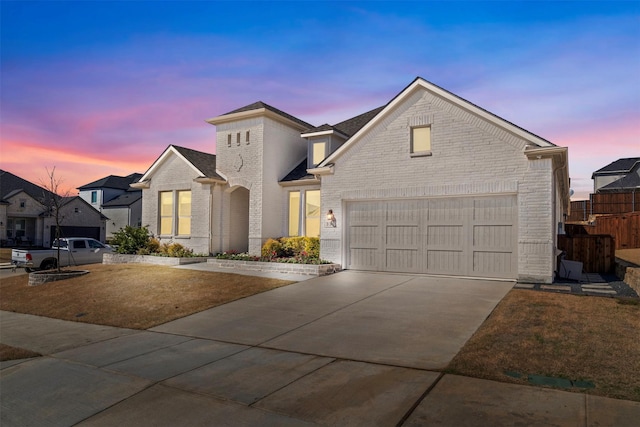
x=292, y=246
x=272, y=248
x=130, y=240
x=312, y=246
x=175, y=250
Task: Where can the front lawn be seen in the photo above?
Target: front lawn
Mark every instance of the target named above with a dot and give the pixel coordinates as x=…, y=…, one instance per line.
x=133, y=296
x=589, y=344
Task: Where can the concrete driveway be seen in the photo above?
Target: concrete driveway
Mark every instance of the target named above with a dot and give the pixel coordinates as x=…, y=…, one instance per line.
x=402, y=320
x=348, y=349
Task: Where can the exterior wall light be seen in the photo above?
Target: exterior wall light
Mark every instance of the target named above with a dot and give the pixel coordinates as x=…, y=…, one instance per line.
x=331, y=218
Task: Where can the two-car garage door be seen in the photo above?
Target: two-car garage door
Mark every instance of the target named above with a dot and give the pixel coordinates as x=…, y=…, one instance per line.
x=467, y=236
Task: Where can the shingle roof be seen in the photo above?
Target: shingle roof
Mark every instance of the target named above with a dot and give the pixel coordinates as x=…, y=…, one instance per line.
x=258, y=105
x=113, y=181
x=205, y=162
x=125, y=199
x=619, y=166
x=628, y=182
x=298, y=173
x=10, y=184
x=350, y=126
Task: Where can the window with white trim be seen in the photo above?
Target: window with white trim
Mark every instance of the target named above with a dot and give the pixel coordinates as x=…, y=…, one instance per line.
x=304, y=213
x=421, y=141
x=318, y=152
x=166, y=213
x=184, y=213
x=294, y=213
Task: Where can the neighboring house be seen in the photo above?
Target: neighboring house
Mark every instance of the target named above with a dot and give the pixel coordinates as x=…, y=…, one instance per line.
x=621, y=176
x=114, y=197
x=428, y=183
x=26, y=217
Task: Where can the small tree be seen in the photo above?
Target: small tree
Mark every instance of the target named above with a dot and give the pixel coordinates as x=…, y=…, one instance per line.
x=53, y=202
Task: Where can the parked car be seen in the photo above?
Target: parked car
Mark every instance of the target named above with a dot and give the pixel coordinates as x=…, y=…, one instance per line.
x=73, y=251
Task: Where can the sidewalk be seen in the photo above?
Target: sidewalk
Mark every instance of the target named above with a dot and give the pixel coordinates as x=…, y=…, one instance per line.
x=96, y=375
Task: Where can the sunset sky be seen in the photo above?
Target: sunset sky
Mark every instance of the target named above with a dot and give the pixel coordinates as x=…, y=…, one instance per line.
x=101, y=88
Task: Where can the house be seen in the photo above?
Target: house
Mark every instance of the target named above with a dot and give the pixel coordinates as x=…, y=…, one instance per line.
x=427, y=183
x=621, y=176
x=114, y=197
x=26, y=217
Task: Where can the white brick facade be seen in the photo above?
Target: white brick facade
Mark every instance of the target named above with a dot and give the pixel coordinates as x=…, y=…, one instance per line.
x=469, y=156
x=473, y=154
x=177, y=175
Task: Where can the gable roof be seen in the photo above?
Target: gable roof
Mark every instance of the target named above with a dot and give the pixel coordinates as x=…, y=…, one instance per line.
x=620, y=166
x=123, y=200
x=113, y=181
x=204, y=164
x=258, y=108
x=346, y=128
x=630, y=181
x=421, y=84
x=11, y=184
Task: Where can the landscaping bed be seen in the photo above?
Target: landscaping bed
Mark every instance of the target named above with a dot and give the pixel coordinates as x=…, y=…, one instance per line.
x=277, y=267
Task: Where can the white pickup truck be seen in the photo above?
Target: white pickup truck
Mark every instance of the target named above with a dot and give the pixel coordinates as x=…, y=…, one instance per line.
x=73, y=251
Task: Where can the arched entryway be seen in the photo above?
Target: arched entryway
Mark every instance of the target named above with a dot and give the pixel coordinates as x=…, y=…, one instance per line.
x=239, y=220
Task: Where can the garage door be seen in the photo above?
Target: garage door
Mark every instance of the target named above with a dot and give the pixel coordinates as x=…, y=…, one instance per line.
x=456, y=236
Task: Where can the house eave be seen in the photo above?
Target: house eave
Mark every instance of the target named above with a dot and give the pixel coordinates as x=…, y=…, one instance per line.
x=298, y=182
x=141, y=185
x=243, y=115
x=324, y=133
x=210, y=180
x=324, y=170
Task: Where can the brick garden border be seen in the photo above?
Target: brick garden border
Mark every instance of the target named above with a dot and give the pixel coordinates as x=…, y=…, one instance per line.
x=277, y=267
x=113, y=258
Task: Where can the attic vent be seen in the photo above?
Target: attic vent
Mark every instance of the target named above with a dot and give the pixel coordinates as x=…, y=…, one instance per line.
x=422, y=120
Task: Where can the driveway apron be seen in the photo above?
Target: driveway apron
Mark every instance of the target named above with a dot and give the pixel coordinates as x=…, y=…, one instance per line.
x=403, y=320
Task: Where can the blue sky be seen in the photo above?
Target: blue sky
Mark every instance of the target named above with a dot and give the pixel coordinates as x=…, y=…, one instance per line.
x=100, y=88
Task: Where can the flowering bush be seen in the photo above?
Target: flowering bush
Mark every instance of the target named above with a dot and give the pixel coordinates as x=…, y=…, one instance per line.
x=295, y=250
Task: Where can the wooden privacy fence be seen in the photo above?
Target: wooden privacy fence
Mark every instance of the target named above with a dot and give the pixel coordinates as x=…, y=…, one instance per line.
x=596, y=252
x=604, y=203
x=625, y=228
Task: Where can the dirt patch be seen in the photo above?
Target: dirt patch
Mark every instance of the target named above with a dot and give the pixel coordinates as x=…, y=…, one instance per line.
x=586, y=340
x=130, y=295
x=13, y=353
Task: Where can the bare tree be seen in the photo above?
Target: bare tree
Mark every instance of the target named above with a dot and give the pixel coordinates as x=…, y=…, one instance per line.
x=53, y=202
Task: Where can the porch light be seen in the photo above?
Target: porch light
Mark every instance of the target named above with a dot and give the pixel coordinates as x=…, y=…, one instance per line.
x=331, y=219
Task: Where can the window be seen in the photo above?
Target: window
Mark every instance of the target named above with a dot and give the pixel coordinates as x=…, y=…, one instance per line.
x=229, y=140
x=23, y=203
x=312, y=213
x=166, y=212
x=94, y=244
x=184, y=213
x=421, y=141
x=175, y=207
x=318, y=152
x=94, y=197
x=309, y=209
x=247, y=138
x=79, y=244
x=238, y=139
x=294, y=213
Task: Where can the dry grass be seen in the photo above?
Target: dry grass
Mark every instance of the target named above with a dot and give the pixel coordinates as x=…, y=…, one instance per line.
x=130, y=295
x=5, y=254
x=630, y=255
x=12, y=353
x=564, y=336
